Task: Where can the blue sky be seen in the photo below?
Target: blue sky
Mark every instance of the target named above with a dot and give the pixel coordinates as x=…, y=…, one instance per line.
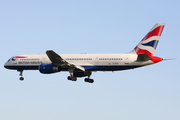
x=91, y=26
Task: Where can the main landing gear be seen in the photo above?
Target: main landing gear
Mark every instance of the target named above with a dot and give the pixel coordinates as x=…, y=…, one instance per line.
x=75, y=79
x=71, y=78
x=71, y=70
x=21, y=78
x=88, y=80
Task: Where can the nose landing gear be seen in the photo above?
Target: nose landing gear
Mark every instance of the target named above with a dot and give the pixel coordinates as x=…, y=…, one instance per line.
x=21, y=78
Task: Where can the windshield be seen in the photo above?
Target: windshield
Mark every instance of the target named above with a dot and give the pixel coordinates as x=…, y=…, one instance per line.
x=8, y=60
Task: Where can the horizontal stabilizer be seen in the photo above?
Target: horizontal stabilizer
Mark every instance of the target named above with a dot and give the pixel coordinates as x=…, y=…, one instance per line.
x=143, y=57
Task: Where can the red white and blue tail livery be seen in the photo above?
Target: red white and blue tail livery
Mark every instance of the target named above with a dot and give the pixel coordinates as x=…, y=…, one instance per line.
x=149, y=43
x=81, y=65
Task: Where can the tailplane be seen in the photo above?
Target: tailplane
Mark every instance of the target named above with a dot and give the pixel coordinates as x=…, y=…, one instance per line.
x=149, y=43
x=143, y=57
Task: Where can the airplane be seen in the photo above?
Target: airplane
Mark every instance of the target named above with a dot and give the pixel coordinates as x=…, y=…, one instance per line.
x=82, y=65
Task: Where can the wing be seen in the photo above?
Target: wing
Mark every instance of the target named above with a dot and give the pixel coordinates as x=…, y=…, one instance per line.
x=58, y=60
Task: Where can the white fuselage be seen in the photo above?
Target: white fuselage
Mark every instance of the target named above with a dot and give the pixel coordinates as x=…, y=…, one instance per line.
x=91, y=62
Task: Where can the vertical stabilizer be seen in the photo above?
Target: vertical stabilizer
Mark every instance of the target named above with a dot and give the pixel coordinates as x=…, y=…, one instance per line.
x=149, y=42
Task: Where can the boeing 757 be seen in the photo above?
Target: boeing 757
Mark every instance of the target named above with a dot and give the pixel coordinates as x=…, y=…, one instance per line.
x=81, y=65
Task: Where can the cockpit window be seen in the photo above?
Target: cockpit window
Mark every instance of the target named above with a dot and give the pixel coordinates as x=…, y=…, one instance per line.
x=8, y=60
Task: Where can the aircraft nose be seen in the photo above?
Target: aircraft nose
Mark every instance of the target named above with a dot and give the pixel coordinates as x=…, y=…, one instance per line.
x=5, y=65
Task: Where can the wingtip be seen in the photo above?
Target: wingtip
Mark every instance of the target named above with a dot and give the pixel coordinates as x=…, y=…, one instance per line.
x=49, y=51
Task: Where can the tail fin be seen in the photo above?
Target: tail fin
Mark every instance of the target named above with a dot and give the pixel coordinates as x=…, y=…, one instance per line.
x=149, y=42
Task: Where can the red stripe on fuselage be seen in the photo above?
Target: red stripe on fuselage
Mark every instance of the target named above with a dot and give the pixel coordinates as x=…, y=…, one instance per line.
x=19, y=57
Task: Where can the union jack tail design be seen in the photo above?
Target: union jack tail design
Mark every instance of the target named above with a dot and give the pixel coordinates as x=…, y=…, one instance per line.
x=149, y=42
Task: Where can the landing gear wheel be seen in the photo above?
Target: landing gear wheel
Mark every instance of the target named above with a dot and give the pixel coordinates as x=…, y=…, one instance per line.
x=91, y=80
x=72, y=78
x=69, y=77
x=88, y=80
x=21, y=78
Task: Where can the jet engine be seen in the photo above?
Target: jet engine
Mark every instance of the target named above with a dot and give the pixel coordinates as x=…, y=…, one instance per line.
x=49, y=68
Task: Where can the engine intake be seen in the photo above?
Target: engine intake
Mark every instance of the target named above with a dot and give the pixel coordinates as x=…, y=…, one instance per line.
x=49, y=68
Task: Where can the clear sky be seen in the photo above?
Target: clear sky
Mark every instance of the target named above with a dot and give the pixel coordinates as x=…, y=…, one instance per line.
x=89, y=26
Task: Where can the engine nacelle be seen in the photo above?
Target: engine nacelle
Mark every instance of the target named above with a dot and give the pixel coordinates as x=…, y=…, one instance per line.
x=81, y=74
x=49, y=68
